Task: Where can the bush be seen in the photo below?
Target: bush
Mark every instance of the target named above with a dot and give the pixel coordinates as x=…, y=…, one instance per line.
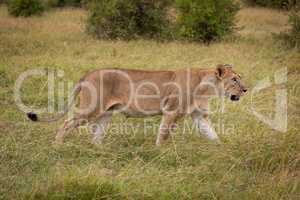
x=293, y=36
x=128, y=19
x=287, y=4
x=206, y=20
x=25, y=8
x=63, y=3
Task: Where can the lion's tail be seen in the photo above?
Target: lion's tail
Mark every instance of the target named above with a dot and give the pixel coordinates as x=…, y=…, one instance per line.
x=34, y=117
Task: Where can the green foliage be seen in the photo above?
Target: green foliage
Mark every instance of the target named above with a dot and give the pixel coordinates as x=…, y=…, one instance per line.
x=127, y=19
x=287, y=4
x=81, y=189
x=63, y=3
x=293, y=36
x=25, y=8
x=4, y=81
x=206, y=20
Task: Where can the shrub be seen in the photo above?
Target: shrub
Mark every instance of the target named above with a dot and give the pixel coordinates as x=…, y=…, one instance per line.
x=25, y=8
x=206, y=20
x=127, y=19
x=287, y=4
x=62, y=3
x=293, y=36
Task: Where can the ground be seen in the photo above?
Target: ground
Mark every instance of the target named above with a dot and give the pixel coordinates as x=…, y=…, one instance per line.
x=253, y=161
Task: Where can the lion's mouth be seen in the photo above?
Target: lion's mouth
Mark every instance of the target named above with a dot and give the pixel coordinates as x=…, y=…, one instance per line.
x=234, y=98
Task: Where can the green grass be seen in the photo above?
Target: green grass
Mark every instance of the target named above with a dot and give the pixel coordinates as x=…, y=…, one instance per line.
x=253, y=161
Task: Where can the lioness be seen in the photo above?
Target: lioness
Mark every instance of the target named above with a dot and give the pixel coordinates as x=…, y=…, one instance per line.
x=138, y=93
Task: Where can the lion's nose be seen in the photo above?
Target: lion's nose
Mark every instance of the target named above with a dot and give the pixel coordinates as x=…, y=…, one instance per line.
x=234, y=98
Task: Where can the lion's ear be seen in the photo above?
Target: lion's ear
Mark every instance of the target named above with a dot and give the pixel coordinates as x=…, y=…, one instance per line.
x=220, y=71
x=228, y=66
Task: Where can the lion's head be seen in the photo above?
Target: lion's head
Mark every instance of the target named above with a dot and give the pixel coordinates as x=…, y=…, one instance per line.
x=231, y=84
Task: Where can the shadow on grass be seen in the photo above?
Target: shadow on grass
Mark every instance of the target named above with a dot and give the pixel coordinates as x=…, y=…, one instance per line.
x=79, y=190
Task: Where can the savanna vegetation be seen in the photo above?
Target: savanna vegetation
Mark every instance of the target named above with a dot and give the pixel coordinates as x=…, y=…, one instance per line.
x=253, y=160
x=127, y=19
x=280, y=4
x=292, y=36
x=25, y=8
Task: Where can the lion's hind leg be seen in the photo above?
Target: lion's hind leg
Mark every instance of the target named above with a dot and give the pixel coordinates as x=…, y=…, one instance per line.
x=68, y=126
x=99, y=126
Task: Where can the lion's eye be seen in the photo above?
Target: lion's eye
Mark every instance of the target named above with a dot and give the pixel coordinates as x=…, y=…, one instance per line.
x=235, y=80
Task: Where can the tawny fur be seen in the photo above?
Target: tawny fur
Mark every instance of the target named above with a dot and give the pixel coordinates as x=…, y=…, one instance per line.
x=113, y=92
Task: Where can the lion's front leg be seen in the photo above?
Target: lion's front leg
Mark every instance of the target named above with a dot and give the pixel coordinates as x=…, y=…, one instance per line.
x=167, y=125
x=203, y=124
